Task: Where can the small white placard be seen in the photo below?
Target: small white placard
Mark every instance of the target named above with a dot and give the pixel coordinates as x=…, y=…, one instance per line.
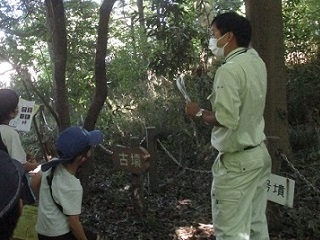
x=23, y=120
x=280, y=190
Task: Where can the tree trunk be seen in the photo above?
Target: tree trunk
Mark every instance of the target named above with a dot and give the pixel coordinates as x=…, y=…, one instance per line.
x=56, y=24
x=141, y=13
x=267, y=39
x=100, y=65
x=101, y=81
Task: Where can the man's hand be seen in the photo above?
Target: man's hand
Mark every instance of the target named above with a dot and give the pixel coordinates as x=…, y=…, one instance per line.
x=35, y=183
x=208, y=117
x=192, y=109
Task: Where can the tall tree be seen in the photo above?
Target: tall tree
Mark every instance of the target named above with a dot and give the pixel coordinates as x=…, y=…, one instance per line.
x=141, y=14
x=100, y=65
x=267, y=39
x=58, y=52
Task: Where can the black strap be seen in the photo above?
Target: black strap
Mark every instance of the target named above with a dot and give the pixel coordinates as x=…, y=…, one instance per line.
x=49, y=180
x=91, y=235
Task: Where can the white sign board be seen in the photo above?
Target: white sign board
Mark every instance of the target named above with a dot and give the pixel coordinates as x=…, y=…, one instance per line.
x=280, y=190
x=23, y=120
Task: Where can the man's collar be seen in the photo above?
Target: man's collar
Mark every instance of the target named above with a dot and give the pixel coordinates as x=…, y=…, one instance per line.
x=234, y=53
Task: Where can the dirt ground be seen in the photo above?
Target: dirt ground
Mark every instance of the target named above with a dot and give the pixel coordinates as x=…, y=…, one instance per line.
x=180, y=209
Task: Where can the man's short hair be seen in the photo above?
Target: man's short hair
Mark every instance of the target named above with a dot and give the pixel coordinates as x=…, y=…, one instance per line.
x=9, y=100
x=238, y=25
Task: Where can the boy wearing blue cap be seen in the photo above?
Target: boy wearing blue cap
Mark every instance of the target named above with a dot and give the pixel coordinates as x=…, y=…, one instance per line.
x=60, y=195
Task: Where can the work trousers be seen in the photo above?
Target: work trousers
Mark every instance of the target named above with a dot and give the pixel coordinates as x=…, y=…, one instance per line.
x=239, y=194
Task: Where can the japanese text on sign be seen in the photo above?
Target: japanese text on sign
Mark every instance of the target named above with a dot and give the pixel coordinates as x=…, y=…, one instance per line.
x=280, y=190
x=132, y=159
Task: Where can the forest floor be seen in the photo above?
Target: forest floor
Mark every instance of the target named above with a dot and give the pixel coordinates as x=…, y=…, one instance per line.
x=180, y=208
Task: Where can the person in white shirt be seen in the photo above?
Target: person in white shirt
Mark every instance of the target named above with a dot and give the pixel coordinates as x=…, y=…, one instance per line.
x=60, y=192
x=243, y=165
x=10, y=140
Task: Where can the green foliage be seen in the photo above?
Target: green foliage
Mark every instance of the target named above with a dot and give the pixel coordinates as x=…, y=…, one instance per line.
x=141, y=65
x=303, y=89
x=175, y=33
x=227, y=5
x=22, y=31
x=126, y=71
x=26, y=43
x=302, y=221
x=82, y=19
x=118, y=179
x=301, y=29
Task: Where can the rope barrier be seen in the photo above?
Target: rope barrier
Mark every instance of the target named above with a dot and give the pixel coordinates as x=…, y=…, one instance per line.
x=105, y=149
x=283, y=157
x=177, y=162
x=309, y=184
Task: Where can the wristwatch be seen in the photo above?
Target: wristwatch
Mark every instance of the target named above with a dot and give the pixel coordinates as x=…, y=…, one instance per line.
x=199, y=114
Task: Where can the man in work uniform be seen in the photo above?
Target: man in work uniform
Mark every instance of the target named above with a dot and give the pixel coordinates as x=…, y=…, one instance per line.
x=241, y=170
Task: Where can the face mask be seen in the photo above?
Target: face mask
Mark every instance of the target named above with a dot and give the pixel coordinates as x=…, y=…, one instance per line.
x=219, y=52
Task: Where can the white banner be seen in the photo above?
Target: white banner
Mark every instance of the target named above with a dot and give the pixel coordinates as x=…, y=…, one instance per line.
x=23, y=120
x=280, y=190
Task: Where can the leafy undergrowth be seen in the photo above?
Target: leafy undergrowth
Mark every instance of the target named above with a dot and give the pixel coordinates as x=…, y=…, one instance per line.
x=303, y=220
x=181, y=209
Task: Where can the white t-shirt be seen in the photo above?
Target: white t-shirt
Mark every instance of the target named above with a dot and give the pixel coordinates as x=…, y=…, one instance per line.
x=11, y=140
x=67, y=192
x=238, y=100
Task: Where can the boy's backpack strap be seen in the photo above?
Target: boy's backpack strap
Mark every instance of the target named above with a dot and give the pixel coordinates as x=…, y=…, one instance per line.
x=49, y=180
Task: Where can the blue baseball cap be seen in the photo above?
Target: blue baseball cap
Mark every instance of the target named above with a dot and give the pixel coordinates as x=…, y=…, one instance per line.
x=71, y=142
x=11, y=172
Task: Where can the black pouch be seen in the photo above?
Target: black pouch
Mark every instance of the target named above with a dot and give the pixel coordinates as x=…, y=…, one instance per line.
x=91, y=235
x=26, y=193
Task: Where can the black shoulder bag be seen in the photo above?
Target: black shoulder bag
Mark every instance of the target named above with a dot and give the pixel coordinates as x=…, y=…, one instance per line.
x=26, y=193
x=49, y=180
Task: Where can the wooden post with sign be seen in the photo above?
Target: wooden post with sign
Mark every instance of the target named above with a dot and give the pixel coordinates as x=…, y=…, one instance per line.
x=137, y=185
x=130, y=159
x=134, y=159
x=152, y=149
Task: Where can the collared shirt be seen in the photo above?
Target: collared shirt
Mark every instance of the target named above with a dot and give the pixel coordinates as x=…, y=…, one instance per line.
x=238, y=100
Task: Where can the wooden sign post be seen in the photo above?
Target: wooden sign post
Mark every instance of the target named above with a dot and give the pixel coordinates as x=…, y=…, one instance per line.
x=133, y=159
x=152, y=149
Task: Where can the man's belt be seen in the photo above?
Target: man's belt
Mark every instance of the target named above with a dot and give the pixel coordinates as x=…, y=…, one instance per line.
x=250, y=147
